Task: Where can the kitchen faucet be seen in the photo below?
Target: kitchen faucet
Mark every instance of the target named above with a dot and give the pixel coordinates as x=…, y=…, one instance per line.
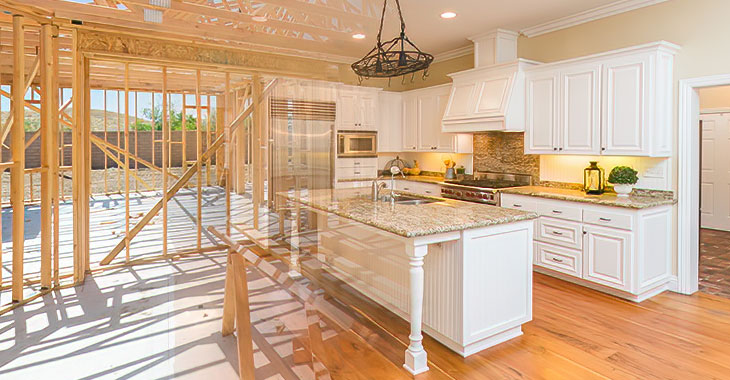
x=378, y=186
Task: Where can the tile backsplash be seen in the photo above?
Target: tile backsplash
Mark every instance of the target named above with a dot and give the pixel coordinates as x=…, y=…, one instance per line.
x=504, y=152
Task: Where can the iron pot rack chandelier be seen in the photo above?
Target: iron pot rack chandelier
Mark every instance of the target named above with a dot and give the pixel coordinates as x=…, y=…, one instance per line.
x=393, y=58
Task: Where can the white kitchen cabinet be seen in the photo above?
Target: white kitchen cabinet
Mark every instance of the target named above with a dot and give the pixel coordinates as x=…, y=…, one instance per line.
x=607, y=256
x=423, y=188
x=621, y=251
x=390, y=122
x=614, y=103
x=580, y=110
x=410, y=122
x=563, y=110
x=542, y=112
x=422, y=113
x=356, y=108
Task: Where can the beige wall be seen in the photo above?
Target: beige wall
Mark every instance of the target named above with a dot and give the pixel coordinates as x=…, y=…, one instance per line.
x=715, y=97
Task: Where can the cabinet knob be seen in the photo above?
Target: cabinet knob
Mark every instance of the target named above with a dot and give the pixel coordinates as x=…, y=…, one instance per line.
x=603, y=148
x=560, y=148
x=555, y=148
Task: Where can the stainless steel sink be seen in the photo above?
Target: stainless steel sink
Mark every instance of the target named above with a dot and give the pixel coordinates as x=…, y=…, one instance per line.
x=408, y=200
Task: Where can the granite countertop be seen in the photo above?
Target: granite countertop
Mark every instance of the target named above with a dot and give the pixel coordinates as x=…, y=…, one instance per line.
x=633, y=201
x=444, y=215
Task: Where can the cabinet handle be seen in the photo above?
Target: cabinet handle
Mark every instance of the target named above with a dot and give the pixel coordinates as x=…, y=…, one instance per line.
x=605, y=219
x=557, y=212
x=557, y=233
x=557, y=260
x=516, y=205
x=428, y=191
x=406, y=188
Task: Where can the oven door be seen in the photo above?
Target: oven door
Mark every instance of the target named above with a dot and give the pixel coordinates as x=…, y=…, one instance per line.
x=354, y=144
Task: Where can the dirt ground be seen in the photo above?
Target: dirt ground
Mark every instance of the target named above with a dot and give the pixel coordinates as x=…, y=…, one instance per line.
x=106, y=181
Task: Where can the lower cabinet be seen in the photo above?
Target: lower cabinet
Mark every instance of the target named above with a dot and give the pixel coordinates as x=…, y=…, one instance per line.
x=622, y=251
x=608, y=254
x=423, y=188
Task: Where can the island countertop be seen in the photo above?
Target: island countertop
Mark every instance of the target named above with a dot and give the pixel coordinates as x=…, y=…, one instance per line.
x=633, y=201
x=407, y=220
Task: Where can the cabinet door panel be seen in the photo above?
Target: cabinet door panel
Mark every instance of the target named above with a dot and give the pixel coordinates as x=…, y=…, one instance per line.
x=542, y=113
x=428, y=129
x=492, y=95
x=368, y=107
x=461, y=98
x=625, y=115
x=446, y=141
x=410, y=123
x=607, y=257
x=581, y=110
x=348, y=111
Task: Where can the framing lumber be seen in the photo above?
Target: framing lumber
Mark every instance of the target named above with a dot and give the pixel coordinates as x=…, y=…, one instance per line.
x=126, y=161
x=49, y=121
x=17, y=172
x=27, y=83
x=200, y=161
x=156, y=208
x=99, y=141
x=165, y=158
x=102, y=145
x=53, y=159
x=258, y=151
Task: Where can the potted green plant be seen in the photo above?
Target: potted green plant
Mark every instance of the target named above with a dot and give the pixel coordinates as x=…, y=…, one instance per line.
x=623, y=179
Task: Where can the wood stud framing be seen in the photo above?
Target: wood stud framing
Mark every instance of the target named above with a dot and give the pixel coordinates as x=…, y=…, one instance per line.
x=17, y=145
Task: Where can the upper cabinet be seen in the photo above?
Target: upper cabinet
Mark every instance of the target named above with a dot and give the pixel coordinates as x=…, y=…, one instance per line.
x=357, y=108
x=390, y=121
x=615, y=103
x=490, y=98
x=423, y=110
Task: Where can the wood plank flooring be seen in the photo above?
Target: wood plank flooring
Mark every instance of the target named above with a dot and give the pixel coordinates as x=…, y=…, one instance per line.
x=576, y=333
x=715, y=262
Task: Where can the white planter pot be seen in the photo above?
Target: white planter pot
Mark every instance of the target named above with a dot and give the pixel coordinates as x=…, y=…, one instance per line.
x=623, y=190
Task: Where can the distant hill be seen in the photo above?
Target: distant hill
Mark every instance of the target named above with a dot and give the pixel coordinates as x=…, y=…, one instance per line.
x=33, y=121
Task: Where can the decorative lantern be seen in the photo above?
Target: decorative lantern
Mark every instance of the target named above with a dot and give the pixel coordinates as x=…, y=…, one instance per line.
x=593, y=179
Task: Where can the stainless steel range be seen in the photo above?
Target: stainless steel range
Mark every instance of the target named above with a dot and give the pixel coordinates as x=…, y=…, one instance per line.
x=484, y=187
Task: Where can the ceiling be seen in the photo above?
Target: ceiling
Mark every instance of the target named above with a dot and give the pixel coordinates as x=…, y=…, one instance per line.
x=318, y=28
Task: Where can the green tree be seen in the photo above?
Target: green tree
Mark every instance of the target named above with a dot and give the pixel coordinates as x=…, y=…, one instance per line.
x=175, y=118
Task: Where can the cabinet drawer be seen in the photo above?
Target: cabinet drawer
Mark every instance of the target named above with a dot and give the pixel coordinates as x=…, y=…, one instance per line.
x=608, y=219
x=419, y=188
x=518, y=203
x=356, y=162
x=560, y=232
x=561, y=259
x=357, y=172
x=560, y=210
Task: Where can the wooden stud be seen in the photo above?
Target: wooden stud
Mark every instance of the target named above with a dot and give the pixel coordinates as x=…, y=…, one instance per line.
x=126, y=161
x=106, y=138
x=136, y=138
x=207, y=138
x=49, y=120
x=86, y=166
x=258, y=154
x=243, y=319
x=183, y=127
x=165, y=158
x=199, y=159
x=228, y=152
x=17, y=145
x=54, y=161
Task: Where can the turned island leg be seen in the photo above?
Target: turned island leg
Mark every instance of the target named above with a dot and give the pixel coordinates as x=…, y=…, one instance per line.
x=416, y=361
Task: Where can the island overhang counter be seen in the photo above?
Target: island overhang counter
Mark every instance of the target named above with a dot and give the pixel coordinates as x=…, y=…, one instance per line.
x=460, y=271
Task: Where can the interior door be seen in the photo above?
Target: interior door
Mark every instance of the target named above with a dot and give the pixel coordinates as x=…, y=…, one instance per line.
x=715, y=175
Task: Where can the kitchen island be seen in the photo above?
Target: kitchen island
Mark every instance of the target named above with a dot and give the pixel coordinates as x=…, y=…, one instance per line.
x=476, y=261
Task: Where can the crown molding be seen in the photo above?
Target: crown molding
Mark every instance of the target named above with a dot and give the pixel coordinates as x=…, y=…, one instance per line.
x=454, y=53
x=587, y=16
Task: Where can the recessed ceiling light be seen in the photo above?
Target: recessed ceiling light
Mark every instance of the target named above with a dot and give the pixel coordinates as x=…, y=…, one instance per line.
x=358, y=36
x=448, y=15
x=259, y=18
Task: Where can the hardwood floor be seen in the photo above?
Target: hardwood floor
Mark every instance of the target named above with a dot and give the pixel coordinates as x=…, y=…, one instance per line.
x=715, y=262
x=576, y=333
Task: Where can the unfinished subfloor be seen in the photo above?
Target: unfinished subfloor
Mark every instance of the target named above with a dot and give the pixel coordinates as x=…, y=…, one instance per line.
x=107, y=227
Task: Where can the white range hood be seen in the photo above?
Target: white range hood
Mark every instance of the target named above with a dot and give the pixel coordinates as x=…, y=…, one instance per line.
x=490, y=97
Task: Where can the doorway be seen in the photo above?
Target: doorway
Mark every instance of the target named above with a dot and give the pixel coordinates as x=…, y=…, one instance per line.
x=714, y=235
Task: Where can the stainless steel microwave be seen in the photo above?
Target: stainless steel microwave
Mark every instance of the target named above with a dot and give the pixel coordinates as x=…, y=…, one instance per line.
x=357, y=144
